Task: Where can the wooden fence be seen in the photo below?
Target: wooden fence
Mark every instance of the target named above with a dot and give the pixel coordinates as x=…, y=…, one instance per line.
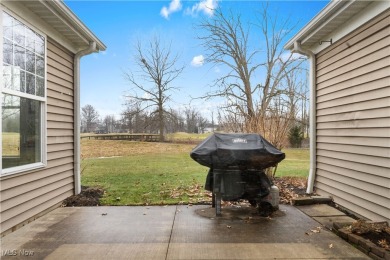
x=129, y=137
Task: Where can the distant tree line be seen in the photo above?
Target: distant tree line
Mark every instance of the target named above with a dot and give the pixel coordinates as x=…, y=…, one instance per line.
x=133, y=119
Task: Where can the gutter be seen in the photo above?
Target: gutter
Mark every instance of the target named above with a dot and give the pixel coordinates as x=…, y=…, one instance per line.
x=313, y=122
x=76, y=99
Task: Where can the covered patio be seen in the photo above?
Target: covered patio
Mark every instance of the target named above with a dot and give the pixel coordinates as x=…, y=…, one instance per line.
x=176, y=232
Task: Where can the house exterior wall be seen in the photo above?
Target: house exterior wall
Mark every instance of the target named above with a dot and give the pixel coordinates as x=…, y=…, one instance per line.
x=23, y=196
x=353, y=120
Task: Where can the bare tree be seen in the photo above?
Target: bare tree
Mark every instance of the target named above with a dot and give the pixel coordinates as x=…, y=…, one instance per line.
x=251, y=101
x=89, y=117
x=134, y=119
x=226, y=42
x=281, y=113
x=195, y=122
x=175, y=122
x=191, y=120
x=109, y=123
x=152, y=88
x=202, y=123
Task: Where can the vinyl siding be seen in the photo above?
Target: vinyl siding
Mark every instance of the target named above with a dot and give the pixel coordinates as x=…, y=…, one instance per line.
x=25, y=195
x=353, y=120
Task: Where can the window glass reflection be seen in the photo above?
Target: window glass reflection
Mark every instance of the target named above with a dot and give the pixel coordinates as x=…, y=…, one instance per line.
x=24, y=73
x=7, y=26
x=39, y=45
x=19, y=33
x=16, y=78
x=40, y=66
x=23, y=57
x=40, y=87
x=21, y=119
x=30, y=84
x=11, y=126
x=30, y=39
x=20, y=58
x=7, y=76
x=22, y=81
x=7, y=51
x=30, y=62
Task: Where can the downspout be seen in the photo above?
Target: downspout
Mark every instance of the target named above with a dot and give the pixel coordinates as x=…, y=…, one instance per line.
x=76, y=100
x=313, y=121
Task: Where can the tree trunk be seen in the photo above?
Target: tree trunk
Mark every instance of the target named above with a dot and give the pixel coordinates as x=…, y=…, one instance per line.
x=161, y=122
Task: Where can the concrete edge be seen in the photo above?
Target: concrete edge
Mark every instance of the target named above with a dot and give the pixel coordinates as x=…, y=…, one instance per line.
x=311, y=200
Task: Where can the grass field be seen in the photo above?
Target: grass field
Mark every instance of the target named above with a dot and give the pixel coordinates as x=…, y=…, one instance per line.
x=139, y=173
x=11, y=143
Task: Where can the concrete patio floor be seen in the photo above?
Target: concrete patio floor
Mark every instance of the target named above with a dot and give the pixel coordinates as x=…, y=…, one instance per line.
x=175, y=232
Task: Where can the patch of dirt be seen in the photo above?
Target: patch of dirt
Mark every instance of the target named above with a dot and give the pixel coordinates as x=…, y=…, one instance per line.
x=377, y=233
x=89, y=196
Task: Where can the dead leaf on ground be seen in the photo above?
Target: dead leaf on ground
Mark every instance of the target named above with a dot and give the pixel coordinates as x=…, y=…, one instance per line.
x=290, y=188
x=316, y=230
x=384, y=244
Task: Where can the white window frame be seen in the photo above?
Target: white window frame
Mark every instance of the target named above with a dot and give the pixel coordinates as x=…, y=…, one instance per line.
x=42, y=100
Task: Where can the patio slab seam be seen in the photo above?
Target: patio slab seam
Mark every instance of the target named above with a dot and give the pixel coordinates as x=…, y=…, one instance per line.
x=170, y=235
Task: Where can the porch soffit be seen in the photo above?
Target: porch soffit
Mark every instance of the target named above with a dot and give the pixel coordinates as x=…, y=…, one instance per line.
x=334, y=15
x=61, y=18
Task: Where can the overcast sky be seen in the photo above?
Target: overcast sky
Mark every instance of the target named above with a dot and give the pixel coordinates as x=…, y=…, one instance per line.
x=119, y=24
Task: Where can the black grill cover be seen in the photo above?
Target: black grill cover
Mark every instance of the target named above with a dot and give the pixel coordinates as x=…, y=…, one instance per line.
x=250, y=151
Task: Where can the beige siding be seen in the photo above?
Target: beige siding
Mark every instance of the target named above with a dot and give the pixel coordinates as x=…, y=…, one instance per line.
x=353, y=120
x=25, y=195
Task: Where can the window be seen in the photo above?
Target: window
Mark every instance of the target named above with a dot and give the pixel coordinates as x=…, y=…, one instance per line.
x=23, y=96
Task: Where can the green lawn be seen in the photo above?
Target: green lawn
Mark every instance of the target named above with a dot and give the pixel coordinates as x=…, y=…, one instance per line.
x=147, y=179
x=296, y=163
x=155, y=173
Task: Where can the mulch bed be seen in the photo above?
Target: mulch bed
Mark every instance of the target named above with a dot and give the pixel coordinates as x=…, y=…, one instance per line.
x=377, y=233
x=89, y=196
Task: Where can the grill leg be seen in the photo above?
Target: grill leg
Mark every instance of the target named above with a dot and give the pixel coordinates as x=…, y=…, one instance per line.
x=217, y=192
x=218, y=202
x=265, y=209
x=213, y=200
